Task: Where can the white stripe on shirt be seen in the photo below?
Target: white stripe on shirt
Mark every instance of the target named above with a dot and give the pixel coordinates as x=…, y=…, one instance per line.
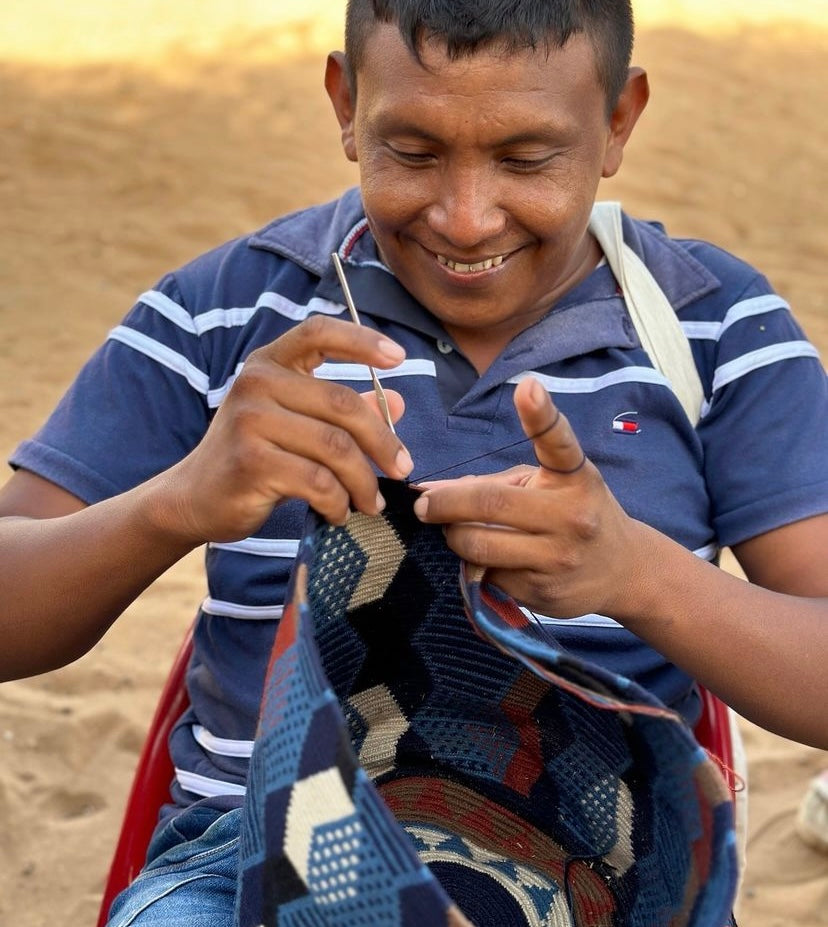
x=361, y=374
x=215, y=397
x=747, y=308
x=199, y=324
x=594, y=384
x=202, y=785
x=220, y=609
x=261, y=547
x=163, y=355
x=296, y=311
x=176, y=362
x=170, y=309
x=755, y=360
x=236, y=316
x=222, y=746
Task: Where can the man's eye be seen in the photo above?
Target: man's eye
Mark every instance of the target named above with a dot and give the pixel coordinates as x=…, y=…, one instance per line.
x=527, y=164
x=411, y=157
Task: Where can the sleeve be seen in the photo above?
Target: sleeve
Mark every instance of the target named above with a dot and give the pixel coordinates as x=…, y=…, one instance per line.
x=765, y=426
x=139, y=405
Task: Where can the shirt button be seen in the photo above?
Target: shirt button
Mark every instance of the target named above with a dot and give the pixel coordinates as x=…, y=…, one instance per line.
x=444, y=347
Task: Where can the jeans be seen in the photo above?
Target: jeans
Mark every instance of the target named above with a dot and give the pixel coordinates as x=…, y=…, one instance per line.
x=190, y=879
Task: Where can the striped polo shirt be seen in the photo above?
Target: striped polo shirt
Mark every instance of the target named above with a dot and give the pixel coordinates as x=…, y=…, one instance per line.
x=756, y=460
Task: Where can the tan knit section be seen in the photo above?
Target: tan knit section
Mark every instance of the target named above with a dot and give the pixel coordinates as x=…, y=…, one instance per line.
x=386, y=724
x=385, y=553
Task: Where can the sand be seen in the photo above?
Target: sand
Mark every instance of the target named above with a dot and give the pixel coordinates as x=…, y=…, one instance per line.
x=136, y=135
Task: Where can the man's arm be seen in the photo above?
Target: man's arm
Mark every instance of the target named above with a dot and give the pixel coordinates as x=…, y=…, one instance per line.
x=67, y=570
x=556, y=539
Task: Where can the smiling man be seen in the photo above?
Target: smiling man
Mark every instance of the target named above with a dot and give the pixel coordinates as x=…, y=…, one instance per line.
x=478, y=173
x=229, y=400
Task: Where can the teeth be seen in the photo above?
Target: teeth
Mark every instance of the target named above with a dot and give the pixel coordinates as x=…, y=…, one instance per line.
x=459, y=268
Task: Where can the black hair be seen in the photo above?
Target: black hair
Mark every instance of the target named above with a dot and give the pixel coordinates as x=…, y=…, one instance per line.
x=465, y=26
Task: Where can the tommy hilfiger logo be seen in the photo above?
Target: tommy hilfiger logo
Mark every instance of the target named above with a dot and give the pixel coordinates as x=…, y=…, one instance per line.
x=626, y=423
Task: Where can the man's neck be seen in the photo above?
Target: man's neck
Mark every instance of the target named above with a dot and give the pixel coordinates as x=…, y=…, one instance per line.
x=482, y=347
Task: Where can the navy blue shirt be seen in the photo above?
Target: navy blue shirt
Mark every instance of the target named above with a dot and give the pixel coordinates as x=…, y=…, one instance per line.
x=756, y=460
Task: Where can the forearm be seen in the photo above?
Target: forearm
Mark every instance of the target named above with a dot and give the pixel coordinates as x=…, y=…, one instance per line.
x=760, y=651
x=65, y=580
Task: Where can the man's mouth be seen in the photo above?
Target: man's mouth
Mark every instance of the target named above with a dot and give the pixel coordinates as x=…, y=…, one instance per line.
x=460, y=268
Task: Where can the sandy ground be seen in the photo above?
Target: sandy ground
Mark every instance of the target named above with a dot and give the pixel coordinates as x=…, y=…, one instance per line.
x=136, y=135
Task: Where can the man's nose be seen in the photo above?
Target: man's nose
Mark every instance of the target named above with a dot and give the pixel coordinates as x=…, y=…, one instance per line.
x=467, y=212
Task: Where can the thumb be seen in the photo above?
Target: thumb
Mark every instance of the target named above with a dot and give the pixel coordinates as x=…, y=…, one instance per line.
x=556, y=447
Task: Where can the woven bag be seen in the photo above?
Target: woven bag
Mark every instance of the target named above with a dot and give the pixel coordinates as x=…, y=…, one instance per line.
x=427, y=755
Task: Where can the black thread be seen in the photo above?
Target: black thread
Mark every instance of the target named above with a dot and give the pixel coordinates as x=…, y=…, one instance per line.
x=566, y=472
x=497, y=450
x=462, y=463
x=548, y=428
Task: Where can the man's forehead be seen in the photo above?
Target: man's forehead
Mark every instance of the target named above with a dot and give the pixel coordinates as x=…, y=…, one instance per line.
x=390, y=66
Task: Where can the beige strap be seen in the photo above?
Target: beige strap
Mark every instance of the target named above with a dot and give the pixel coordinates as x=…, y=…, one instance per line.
x=654, y=318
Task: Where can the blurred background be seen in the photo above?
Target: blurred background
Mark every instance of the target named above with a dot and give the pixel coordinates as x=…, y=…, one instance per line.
x=133, y=136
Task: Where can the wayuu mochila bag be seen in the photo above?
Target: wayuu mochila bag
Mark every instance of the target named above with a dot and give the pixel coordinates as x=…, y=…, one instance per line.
x=428, y=755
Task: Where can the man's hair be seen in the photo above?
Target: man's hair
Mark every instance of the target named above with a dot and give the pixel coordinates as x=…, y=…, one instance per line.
x=465, y=26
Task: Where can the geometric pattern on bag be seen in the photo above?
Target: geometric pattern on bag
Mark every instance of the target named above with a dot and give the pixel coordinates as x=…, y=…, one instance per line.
x=427, y=756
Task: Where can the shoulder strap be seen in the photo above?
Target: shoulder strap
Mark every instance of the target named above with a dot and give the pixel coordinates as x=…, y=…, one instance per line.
x=654, y=318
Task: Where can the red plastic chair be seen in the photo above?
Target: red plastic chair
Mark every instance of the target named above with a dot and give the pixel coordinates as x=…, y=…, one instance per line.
x=151, y=784
x=150, y=787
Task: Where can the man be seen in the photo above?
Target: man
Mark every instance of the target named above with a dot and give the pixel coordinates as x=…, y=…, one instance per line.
x=482, y=134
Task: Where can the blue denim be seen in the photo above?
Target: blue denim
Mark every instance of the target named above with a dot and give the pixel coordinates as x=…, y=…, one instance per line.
x=190, y=879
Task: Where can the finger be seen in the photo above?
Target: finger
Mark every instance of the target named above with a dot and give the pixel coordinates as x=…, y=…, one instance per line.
x=325, y=423
x=556, y=447
x=322, y=489
x=497, y=546
x=396, y=404
x=332, y=451
x=488, y=502
x=319, y=338
x=266, y=389
x=514, y=476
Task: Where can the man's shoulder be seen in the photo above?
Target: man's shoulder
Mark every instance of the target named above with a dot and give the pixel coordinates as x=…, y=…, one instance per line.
x=288, y=255
x=692, y=271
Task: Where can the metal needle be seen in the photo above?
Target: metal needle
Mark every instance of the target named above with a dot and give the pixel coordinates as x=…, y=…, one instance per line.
x=349, y=301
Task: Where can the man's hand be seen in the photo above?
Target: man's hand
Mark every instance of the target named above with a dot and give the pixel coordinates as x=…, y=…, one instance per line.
x=552, y=536
x=283, y=434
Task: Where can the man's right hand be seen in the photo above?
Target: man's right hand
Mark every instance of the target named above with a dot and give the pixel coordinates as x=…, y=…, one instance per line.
x=283, y=434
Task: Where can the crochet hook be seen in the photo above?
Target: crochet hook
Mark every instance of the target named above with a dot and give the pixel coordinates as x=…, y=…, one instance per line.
x=349, y=301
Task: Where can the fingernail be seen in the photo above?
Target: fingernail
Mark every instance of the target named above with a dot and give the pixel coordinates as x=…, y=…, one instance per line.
x=380, y=502
x=403, y=461
x=421, y=507
x=391, y=349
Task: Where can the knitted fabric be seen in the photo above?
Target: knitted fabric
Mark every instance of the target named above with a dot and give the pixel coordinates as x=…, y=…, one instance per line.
x=428, y=756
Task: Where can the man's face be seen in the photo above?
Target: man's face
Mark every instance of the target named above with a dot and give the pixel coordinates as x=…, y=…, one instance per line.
x=478, y=175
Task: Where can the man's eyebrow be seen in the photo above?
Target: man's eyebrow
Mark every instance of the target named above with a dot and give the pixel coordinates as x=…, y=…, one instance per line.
x=394, y=126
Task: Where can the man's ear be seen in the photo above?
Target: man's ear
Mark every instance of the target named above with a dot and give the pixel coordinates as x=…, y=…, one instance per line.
x=630, y=106
x=342, y=98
